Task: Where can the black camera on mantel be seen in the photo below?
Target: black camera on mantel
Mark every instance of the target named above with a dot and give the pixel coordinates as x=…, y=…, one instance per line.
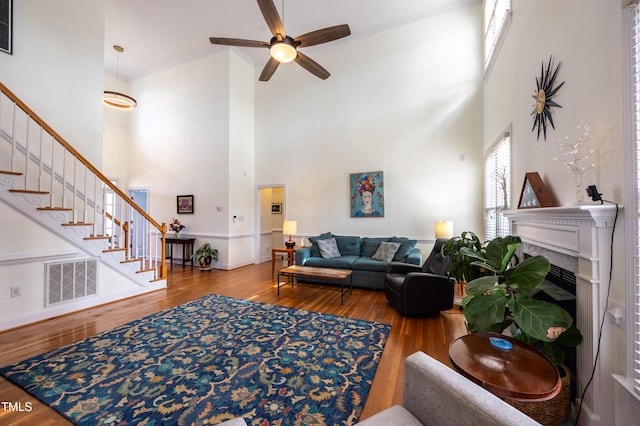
x=592, y=192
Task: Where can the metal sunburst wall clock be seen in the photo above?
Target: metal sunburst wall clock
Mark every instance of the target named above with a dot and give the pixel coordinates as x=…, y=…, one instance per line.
x=546, y=89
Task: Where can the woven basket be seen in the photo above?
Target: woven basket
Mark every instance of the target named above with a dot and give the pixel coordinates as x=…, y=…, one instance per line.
x=552, y=411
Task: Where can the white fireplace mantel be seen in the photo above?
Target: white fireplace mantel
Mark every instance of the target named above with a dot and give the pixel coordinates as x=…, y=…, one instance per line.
x=582, y=233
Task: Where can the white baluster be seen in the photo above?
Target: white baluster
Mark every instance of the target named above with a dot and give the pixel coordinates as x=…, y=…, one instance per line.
x=27, y=173
x=14, y=142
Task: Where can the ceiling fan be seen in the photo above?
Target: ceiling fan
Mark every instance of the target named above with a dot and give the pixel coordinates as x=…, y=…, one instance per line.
x=283, y=48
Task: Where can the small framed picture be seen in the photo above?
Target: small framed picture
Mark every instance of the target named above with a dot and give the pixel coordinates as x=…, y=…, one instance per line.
x=276, y=208
x=185, y=204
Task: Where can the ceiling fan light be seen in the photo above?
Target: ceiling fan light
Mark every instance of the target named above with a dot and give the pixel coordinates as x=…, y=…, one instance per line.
x=118, y=100
x=283, y=52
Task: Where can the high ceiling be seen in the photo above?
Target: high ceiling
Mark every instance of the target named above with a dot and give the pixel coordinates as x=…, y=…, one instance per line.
x=158, y=33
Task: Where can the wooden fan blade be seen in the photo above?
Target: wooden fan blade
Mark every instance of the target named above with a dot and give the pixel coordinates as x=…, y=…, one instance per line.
x=269, y=69
x=271, y=17
x=322, y=36
x=312, y=66
x=237, y=42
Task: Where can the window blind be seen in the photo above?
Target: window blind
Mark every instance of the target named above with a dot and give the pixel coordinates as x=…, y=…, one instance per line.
x=497, y=190
x=635, y=125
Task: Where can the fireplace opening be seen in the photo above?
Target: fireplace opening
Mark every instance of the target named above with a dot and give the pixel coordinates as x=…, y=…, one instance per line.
x=560, y=288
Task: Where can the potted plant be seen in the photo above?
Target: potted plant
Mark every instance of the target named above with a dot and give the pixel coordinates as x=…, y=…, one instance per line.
x=460, y=265
x=204, y=255
x=505, y=298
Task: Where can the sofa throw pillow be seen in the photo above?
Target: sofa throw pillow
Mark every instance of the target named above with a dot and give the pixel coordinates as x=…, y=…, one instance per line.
x=386, y=251
x=315, y=250
x=328, y=248
x=348, y=245
x=406, y=246
x=370, y=245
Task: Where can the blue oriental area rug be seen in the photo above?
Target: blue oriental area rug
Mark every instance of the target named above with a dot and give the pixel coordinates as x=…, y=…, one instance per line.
x=210, y=360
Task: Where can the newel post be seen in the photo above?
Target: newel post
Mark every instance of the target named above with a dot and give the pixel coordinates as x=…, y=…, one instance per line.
x=163, y=262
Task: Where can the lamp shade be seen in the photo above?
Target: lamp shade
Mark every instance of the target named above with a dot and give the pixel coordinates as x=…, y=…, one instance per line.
x=444, y=229
x=289, y=227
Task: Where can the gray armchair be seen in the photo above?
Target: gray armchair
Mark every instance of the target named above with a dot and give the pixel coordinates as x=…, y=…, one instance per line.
x=426, y=290
x=434, y=394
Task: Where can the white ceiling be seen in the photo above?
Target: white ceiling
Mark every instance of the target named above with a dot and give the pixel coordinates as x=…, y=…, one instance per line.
x=159, y=33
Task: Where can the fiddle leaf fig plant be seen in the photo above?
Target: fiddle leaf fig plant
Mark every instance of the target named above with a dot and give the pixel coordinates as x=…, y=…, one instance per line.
x=505, y=297
x=460, y=266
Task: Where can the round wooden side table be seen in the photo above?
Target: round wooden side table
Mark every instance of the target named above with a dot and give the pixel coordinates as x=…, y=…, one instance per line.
x=521, y=373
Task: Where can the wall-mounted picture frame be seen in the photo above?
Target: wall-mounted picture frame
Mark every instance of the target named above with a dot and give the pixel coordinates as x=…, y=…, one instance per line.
x=185, y=204
x=534, y=193
x=6, y=26
x=367, y=194
x=276, y=208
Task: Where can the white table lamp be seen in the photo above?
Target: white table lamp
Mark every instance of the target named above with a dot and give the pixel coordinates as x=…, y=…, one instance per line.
x=289, y=227
x=444, y=229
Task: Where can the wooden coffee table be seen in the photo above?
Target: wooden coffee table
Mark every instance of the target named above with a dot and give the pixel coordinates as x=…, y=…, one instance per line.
x=522, y=373
x=295, y=271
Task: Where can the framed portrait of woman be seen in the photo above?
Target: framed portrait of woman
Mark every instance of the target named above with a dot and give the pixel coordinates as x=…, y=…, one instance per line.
x=367, y=194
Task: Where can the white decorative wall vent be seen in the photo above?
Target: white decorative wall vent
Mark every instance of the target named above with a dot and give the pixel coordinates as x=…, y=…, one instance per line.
x=70, y=280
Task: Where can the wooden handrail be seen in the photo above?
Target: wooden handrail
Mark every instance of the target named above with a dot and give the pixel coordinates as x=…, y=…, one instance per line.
x=76, y=154
x=59, y=139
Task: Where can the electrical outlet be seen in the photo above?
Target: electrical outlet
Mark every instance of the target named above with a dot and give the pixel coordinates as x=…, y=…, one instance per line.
x=16, y=291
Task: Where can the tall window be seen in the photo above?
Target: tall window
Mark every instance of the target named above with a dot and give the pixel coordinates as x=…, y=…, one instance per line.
x=497, y=189
x=632, y=176
x=497, y=17
x=111, y=206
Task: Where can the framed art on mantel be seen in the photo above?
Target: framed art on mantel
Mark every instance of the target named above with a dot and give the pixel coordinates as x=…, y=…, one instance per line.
x=367, y=194
x=534, y=193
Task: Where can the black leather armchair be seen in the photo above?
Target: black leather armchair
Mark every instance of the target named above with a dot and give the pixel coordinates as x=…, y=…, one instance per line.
x=426, y=290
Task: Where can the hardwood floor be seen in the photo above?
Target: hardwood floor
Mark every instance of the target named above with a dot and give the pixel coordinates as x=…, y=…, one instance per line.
x=431, y=335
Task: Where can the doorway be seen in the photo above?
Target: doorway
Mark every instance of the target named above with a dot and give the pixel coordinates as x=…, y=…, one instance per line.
x=270, y=214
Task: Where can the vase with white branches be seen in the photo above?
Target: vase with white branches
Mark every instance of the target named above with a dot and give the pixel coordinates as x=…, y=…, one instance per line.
x=579, y=153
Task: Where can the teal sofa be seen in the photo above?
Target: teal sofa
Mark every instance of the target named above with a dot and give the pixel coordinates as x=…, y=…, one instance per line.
x=356, y=254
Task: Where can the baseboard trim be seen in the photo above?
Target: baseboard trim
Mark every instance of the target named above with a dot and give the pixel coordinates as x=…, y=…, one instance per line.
x=79, y=305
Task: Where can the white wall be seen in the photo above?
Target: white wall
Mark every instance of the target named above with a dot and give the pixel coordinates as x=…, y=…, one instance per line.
x=179, y=141
x=57, y=67
x=586, y=37
x=192, y=133
x=22, y=262
x=115, y=161
x=241, y=161
x=412, y=113
x=407, y=101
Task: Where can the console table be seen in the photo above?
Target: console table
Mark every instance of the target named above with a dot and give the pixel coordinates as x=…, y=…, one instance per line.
x=187, y=249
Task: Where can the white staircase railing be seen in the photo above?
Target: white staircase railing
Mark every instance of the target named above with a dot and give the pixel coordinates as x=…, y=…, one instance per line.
x=44, y=163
